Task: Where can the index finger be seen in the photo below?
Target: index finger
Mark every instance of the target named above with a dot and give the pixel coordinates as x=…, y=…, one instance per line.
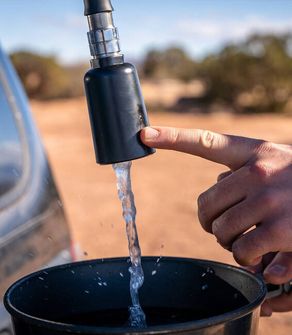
x=232, y=151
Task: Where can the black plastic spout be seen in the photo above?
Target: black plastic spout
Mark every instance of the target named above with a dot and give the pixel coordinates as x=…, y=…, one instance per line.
x=117, y=113
x=116, y=106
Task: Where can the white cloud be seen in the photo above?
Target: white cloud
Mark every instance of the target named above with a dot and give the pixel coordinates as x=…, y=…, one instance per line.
x=219, y=30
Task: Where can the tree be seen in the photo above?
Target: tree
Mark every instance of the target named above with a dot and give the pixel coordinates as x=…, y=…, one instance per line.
x=173, y=62
x=254, y=76
x=42, y=76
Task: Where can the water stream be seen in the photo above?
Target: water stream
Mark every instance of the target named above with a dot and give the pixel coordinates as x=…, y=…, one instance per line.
x=123, y=172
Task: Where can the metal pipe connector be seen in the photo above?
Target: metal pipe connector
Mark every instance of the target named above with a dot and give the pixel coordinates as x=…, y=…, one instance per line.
x=103, y=38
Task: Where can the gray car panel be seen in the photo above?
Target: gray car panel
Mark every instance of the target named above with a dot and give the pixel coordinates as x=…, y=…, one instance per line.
x=33, y=228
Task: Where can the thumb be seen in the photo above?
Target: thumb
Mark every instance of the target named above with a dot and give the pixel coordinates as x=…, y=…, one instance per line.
x=232, y=151
x=279, y=271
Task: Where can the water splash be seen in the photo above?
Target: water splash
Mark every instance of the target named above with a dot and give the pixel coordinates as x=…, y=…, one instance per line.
x=126, y=196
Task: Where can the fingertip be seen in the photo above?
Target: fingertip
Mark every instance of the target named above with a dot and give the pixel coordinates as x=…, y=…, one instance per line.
x=149, y=135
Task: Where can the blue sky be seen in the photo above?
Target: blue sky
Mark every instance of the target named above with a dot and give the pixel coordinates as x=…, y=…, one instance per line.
x=58, y=26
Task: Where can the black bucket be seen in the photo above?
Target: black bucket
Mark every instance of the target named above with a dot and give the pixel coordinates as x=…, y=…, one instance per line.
x=179, y=296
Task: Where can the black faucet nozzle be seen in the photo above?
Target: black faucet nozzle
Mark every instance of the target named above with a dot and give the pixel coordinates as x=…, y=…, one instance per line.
x=114, y=98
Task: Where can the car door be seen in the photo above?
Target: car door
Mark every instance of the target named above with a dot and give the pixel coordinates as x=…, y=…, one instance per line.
x=33, y=228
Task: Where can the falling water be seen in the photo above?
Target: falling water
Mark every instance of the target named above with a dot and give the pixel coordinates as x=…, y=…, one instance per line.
x=122, y=170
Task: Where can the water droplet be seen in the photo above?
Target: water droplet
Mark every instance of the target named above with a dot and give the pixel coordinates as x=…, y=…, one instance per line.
x=46, y=286
x=86, y=291
x=210, y=271
x=90, y=266
x=97, y=272
x=73, y=272
x=154, y=273
x=204, y=287
x=158, y=259
x=41, y=278
x=121, y=275
x=100, y=284
x=104, y=283
x=204, y=274
x=45, y=272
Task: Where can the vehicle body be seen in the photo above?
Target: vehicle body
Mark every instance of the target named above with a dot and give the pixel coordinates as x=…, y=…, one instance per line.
x=33, y=228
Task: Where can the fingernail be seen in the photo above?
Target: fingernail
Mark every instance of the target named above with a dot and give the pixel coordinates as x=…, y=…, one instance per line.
x=276, y=270
x=150, y=134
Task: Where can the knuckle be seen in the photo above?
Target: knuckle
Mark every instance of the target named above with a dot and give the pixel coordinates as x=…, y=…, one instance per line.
x=220, y=233
x=207, y=139
x=260, y=170
x=174, y=136
x=203, y=201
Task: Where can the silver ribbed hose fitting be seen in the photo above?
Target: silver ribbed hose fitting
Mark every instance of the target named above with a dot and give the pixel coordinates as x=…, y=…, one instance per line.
x=103, y=38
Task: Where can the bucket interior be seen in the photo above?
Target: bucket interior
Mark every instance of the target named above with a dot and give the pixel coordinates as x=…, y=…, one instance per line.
x=96, y=293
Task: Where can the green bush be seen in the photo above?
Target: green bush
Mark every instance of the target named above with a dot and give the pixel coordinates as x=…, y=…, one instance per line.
x=44, y=78
x=252, y=76
x=170, y=63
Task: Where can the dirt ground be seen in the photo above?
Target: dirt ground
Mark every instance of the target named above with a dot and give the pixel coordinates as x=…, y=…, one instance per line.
x=166, y=186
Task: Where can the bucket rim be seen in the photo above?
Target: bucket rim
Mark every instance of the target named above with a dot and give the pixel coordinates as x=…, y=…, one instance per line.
x=161, y=329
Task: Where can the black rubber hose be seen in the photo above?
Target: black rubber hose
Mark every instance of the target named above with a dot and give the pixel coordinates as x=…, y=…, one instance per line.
x=97, y=6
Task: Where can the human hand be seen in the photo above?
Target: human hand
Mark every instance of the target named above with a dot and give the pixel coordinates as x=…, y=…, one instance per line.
x=271, y=267
x=249, y=209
